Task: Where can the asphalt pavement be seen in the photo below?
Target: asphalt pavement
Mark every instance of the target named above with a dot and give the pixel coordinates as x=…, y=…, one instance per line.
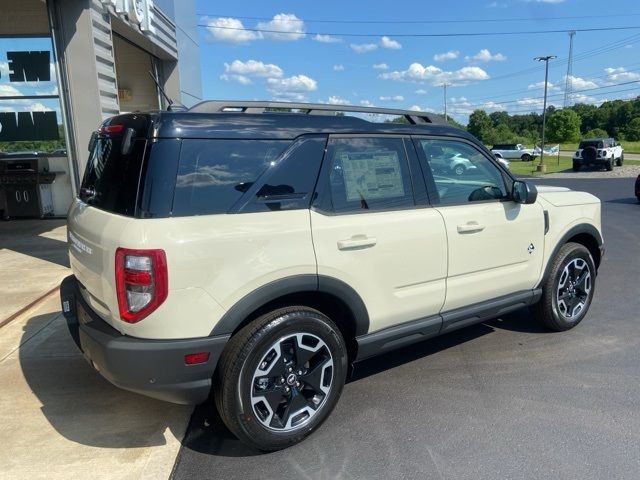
x=503, y=399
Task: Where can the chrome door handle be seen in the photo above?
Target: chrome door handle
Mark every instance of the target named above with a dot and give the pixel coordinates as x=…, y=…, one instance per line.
x=470, y=227
x=357, y=242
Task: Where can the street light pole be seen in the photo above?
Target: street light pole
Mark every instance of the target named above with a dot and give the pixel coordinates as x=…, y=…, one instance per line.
x=446, y=119
x=541, y=167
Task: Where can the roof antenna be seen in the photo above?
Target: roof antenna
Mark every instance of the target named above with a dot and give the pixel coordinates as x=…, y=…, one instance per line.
x=170, y=103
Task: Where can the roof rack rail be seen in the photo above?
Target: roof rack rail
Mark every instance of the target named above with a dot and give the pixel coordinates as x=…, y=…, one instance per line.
x=242, y=106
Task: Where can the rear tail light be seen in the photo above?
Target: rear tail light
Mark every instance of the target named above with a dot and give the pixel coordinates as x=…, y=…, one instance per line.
x=141, y=282
x=111, y=129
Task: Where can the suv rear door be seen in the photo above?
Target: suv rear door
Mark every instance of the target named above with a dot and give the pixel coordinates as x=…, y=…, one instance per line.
x=495, y=245
x=373, y=229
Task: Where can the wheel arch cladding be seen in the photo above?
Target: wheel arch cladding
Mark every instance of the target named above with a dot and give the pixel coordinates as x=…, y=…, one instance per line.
x=330, y=296
x=585, y=234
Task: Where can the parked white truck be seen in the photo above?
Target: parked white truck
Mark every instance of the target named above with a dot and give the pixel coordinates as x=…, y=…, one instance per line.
x=512, y=151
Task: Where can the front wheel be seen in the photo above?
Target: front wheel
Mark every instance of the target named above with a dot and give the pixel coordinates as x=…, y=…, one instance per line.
x=621, y=160
x=280, y=377
x=567, y=293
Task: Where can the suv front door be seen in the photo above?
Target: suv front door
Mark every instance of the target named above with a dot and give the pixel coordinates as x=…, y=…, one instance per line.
x=373, y=229
x=495, y=244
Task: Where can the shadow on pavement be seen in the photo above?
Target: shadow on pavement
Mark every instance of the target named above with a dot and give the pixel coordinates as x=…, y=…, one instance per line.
x=24, y=236
x=207, y=433
x=626, y=201
x=79, y=403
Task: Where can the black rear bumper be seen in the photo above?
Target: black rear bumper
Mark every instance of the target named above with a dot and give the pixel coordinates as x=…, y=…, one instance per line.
x=155, y=368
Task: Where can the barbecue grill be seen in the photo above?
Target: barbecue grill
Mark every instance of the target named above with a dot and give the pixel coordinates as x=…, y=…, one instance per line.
x=25, y=184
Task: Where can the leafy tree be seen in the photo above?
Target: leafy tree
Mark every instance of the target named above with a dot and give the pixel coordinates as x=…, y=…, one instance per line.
x=563, y=126
x=595, y=133
x=632, y=130
x=480, y=126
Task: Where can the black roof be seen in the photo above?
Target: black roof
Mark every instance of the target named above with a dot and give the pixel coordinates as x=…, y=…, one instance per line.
x=276, y=125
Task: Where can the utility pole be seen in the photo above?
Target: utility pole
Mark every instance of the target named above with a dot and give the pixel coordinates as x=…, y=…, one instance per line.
x=446, y=119
x=568, y=85
x=541, y=167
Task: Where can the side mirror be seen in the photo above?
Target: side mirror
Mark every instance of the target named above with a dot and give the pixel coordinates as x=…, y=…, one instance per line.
x=524, y=192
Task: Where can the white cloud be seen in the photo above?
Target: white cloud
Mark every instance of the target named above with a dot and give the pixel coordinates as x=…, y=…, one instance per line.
x=366, y=103
x=386, y=42
x=415, y=108
x=243, y=72
x=253, y=68
x=540, y=86
x=338, y=68
x=436, y=76
x=364, y=47
x=620, y=74
x=326, y=38
x=420, y=91
x=296, y=83
x=228, y=30
x=578, y=83
x=292, y=27
x=381, y=66
x=484, y=56
x=450, y=55
x=395, y=98
x=334, y=100
x=9, y=91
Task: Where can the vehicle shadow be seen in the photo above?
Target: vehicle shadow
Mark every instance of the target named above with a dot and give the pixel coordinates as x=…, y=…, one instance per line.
x=207, y=433
x=625, y=201
x=25, y=236
x=81, y=405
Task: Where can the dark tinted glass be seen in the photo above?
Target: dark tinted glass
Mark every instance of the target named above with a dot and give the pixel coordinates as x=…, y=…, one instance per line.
x=111, y=179
x=368, y=173
x=214, y=174
x=289, y=184
x=158, y=178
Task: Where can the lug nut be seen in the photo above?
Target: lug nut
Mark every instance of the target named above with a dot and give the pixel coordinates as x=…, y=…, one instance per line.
x=290, y=369
x=297, y=384
x=287, y=389
x=299, y=372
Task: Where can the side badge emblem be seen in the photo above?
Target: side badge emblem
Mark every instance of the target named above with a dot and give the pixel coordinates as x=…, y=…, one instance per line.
x=530, y=248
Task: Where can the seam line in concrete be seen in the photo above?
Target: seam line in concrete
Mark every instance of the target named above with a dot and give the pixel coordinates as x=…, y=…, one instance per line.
x=28, y=307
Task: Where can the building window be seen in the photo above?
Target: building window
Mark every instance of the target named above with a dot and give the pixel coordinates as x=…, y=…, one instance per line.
x=30, y=119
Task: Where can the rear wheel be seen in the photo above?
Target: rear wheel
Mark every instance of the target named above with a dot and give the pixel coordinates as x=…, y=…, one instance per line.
x=576, y=166
x=609, y=165
x=526, y=157
x=567, y=293
x=459, y=170
x=280, y=377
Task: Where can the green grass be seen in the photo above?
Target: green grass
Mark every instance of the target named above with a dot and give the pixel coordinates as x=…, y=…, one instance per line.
x=630, y=147
x=528, y=168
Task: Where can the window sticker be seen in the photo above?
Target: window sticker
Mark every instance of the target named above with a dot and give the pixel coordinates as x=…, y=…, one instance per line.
x=372, y=175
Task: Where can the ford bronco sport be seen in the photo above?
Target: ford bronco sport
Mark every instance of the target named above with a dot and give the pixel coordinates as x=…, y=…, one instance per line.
x=250, y=256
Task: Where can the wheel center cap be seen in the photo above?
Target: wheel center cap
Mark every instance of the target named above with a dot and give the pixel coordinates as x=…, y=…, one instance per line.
x=292, y=379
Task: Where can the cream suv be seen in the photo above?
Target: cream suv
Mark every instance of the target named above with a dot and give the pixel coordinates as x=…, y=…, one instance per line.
x=246, y=256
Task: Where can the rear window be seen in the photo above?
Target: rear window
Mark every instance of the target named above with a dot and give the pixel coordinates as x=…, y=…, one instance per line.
x=214, y=174
x=591, y=143
x=111, y=178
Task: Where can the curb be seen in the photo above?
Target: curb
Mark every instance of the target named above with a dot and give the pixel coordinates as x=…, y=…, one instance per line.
x=28, y=307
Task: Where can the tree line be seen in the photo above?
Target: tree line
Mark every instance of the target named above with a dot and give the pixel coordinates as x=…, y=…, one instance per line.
x=618, y=118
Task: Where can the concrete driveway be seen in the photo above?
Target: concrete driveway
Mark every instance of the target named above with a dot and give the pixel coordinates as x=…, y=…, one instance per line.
x=504, y=399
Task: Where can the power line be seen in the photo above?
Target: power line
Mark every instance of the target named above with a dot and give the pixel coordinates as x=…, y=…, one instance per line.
x=392, y=22
x=421, y=35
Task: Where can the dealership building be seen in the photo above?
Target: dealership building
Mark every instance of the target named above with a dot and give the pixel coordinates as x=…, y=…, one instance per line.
x=65, y=66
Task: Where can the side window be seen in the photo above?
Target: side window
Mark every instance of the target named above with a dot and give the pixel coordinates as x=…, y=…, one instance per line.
x=368, y=173
x=461, y=173
x=288, y=184
x=214, y=174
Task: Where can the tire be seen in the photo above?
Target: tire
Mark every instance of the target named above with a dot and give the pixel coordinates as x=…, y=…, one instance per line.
x=299, y=402
x=526, y=157
x=568, y=266
x=621, y=160
x=459, y=170
x=609, y=165
x=576, y=166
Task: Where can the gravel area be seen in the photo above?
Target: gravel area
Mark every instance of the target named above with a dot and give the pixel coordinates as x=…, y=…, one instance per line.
x=617, y=172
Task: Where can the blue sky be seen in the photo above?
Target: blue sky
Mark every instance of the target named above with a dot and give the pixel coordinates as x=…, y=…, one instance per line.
x=491, y=72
